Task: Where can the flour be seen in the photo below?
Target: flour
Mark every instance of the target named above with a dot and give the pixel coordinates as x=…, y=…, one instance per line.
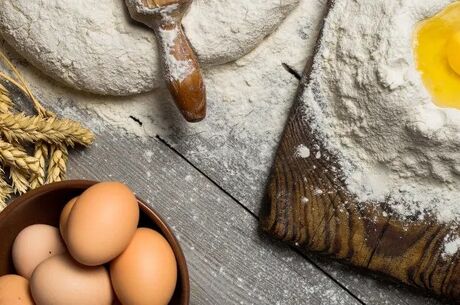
x=177, y=69
x=367, y=103
x=93, y=45
x=451, y=246
x=237, y=141
x=165, y=11
x=303, y=151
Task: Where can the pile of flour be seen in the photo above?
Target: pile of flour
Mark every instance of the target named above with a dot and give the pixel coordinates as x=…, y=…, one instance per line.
x=367, y=103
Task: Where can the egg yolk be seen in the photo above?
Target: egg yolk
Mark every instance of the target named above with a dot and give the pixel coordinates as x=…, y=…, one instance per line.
x=437, y=48
x=453, y=52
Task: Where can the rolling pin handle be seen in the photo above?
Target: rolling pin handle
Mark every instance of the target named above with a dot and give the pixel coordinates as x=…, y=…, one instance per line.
x=182, y=70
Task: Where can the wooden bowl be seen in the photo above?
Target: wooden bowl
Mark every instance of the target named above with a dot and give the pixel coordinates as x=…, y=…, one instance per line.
x=44, y=205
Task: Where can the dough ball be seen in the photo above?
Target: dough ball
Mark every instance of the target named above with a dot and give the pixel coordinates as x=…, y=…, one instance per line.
x=94, y=45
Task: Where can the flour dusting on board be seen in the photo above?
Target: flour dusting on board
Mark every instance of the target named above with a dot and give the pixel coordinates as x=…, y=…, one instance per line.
x=303, y=151
x=451, y=245
x=367, y=104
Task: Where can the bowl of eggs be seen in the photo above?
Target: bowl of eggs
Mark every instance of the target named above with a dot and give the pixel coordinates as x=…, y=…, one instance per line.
x=85, y=243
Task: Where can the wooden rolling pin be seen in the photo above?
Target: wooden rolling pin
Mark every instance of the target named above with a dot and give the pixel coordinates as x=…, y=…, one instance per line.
x=180, y=64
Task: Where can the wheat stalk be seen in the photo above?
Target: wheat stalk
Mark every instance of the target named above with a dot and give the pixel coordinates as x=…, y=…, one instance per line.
x=22, y=128
x=21, y=84
x=14, y=156
x=57, y=167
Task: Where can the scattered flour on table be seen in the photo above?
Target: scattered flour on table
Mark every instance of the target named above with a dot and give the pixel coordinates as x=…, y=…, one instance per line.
x=367, y=104
x=148, y=155
x=248, y=104
x=237, y=140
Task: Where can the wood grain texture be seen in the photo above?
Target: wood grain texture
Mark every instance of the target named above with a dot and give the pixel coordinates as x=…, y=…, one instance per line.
x=236, y=159
x=229, y=262
x=307, y=205
x=228, y=148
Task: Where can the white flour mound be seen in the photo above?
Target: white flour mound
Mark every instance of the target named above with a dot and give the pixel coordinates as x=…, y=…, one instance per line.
x=93, y=45
x=367, y=103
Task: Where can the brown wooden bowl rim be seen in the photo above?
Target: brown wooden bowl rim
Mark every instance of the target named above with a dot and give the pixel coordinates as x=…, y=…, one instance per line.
x=165, y=230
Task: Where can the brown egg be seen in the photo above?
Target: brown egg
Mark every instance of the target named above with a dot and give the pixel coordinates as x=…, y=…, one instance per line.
x=146, y=272
x=65, y=216
x=33, y=245
x=14, y=290
x=116, y=302
x=102, y=223
x=60, y=280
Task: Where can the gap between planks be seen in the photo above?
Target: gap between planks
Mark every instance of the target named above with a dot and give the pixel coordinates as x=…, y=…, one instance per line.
x=164, y=142
x=252, y=253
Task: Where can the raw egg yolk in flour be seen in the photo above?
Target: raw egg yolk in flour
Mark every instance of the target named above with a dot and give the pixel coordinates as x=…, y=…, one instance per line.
x=437, y=48
x=453, y=52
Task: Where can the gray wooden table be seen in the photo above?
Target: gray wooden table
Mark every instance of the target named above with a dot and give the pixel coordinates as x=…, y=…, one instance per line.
x=230, y=261
x=207, y=181
x=212, y=205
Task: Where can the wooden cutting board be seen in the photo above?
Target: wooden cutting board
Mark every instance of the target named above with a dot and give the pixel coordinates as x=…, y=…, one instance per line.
x=306, y=207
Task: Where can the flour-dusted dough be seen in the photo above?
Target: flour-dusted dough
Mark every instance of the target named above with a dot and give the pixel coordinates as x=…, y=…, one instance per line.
x=93, y=45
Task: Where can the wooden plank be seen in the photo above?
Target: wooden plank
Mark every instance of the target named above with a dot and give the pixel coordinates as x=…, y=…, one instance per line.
x=227, y=147
x=232, y=159
x=361, y=284
x=236, y=167
x=229, y=262
x=333, y=223
x=307, y=204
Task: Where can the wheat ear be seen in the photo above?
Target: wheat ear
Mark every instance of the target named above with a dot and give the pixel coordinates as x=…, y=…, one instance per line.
x=59, y=153
x=19, y=180
x=41, y=152
x=57, y=167
x=14, y=156
x=22, y=128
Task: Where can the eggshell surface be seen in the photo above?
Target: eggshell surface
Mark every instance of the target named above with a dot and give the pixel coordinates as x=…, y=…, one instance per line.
x=101, y=223
x=65, y=216
x=61, y=280
x=33, y=245
x=14, y=290
x=146, y=272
